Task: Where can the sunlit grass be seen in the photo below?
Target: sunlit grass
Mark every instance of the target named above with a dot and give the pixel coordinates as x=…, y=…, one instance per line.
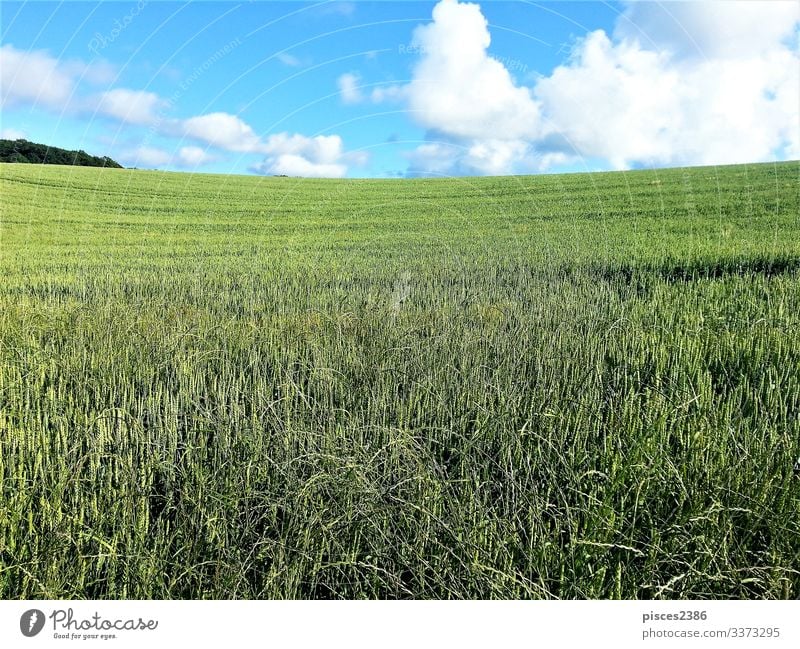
x=553, y=386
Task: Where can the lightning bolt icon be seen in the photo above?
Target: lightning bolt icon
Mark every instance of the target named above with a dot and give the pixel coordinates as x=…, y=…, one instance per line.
x=32, y=621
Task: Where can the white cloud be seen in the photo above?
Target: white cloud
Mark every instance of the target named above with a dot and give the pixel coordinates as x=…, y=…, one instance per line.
x=33, y=77
x=293, y=155
x=350, y=84
x=450, y=157
x=338, y=8
x=390, y=92
x=434, y=159
x=675, y=83
x=298, y=155
x=458, y=89
x=145, y=156
x=494, y=157
x=97, y=72
x=131, y=106
x=222, y=130
x=465, y=96
x=291, y=164
x=632, y=95
x=348, y=88
x=193, y=156
x=661, y=104
x=12, y=134
x=709, y=30
x=36, y=78
x=290, y=60
x=149, y=156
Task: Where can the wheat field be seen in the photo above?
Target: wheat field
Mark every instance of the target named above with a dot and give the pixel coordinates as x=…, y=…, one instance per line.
x=565, y=386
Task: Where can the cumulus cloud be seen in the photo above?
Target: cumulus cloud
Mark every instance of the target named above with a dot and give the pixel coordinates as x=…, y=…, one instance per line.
x=34, y=77
x=37, y=78
x=313, y=157
x=631, y=92
x=658, y=99
x=674, y=83
x=132, y=106
x=149, y=156
x=290, y=154
x=222, y=130
x=348, y=88
x=458, y=88
x=709, y=30
x=436, y=158
x=447, y=156
x=482, y=120
x=194, y=156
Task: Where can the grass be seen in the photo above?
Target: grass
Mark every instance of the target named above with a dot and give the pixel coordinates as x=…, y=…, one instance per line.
x=576, y=386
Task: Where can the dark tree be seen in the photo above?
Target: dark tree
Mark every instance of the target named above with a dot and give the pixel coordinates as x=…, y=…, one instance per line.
x=24, y=151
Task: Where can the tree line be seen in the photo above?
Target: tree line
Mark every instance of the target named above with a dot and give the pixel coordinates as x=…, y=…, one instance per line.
x=24, y=151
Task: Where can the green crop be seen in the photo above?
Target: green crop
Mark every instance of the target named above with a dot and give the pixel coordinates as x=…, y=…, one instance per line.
x=566, y=386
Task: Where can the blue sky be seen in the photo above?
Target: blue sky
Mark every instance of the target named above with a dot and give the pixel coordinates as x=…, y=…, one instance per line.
x=391, y=89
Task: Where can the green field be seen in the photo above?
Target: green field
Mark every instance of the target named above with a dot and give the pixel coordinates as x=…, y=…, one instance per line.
x=565, y=386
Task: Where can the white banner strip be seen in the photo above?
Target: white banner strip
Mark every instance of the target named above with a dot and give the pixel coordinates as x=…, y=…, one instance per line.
x=155, y=624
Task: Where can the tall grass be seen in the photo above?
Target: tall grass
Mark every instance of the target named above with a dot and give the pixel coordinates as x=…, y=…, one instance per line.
x=560, y=386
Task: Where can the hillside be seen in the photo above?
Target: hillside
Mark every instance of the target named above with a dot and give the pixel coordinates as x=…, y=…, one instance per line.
x=571, y=386
x=30, y=152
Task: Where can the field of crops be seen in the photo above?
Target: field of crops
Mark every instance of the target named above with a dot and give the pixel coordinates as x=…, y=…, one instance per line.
x=575, y=386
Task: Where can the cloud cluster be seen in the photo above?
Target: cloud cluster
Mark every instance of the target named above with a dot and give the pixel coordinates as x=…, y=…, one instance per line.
x=36, y=78
x=681, y=83
x=221, y=130
x=479, y=119
x=671, y=83
x=446, y=156
x=187, y=157
x=458, y=89
x=675, y=83
x=322, y=156
x=710, y=30
x=131, y=106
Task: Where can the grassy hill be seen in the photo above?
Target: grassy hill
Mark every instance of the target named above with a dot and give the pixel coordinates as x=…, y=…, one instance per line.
x=22, y=151
x=574, y=386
